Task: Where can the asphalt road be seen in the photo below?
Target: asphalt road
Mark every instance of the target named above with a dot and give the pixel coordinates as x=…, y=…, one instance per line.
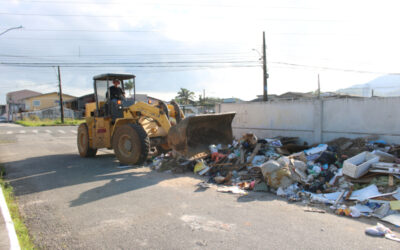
x=70, y=202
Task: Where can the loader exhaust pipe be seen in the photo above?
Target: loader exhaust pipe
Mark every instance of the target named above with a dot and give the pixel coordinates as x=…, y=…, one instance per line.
x=194, y=134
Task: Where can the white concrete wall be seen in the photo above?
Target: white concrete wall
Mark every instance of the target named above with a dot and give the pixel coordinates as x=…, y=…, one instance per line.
x=362, y=117
x=317, y=121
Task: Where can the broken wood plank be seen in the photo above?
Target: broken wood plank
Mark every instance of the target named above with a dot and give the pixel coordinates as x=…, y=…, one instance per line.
x=220, y=164
x=241, y=155
x=391, y=181
x=255, y=151
x=385, y=165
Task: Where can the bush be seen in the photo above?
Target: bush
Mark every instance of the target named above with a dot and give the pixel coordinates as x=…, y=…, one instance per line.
x=34, y=118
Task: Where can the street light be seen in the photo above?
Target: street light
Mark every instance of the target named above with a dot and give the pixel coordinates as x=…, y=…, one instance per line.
x=13, y=28
x=7, y=30
x=258, y=53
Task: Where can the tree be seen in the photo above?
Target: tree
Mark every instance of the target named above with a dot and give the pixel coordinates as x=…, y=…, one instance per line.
x=184, y=96
x=129, y=86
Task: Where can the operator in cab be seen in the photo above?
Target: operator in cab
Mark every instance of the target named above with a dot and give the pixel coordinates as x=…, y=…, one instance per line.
x=116, y=93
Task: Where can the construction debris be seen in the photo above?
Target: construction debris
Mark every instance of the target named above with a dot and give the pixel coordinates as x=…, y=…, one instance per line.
x=381, y=231
x=355, y=177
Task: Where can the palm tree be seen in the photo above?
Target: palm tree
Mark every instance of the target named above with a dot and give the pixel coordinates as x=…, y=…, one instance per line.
x=129, y=86
x=184, y=96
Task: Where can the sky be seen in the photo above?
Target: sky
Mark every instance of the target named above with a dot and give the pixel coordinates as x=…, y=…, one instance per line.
x=210, y=45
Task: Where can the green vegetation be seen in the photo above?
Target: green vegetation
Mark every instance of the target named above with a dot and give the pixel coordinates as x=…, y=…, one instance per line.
x=3, y=141
x=35, y=122
x=129, y=86
x=20, y=228
x=184, y=96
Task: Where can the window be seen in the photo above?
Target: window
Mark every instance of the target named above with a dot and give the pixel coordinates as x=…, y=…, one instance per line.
x=36, y=103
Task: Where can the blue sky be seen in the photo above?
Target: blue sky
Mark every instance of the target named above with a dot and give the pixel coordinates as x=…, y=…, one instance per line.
x=346, y=42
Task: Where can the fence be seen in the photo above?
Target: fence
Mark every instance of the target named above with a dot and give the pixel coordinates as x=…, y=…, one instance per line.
x=51, y=113
x=317, y=121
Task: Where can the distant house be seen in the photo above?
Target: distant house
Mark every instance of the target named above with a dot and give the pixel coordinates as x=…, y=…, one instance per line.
x=302, y=96
x=43, y=101
x=79, y=103
x=2, y=109
x=139, y=98
x=286, y=96
x=232, y=100
x=296, y=96
x=15, y=101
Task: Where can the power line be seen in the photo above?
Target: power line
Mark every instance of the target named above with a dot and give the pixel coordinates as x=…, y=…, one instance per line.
x=138, y=54
x=110, y=40
x=158, y=30
x=138, y=63
x=86, y=30
x=132, y=66
x=169, y=4
x=124, y=16
x=206, y=65
x=90, y=40
x=334, y=69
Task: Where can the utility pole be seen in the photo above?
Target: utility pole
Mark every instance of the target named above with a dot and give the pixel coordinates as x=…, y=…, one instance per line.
x=265, y=75
x=319, y=89
x=61, y=98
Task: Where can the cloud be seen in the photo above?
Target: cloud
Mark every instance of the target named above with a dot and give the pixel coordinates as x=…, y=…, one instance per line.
x=336, y=35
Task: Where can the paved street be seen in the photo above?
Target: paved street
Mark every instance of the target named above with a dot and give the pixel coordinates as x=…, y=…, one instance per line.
x=71, y=202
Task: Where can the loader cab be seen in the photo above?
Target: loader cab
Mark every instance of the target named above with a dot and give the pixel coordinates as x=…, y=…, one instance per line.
x=105, y=106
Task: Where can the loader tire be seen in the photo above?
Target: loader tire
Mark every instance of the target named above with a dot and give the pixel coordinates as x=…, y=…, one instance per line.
x=83, y=142
x=131, y=144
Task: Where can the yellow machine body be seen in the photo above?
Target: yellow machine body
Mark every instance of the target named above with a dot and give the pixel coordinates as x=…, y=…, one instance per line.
x=143, y=125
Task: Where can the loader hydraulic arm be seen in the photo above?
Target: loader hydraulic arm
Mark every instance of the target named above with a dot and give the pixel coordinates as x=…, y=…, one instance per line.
x=147, y=110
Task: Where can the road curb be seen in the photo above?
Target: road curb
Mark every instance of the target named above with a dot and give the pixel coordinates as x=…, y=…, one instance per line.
x=12, y=235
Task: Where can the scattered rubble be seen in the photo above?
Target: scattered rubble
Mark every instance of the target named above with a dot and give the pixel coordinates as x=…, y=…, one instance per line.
x=355, y=177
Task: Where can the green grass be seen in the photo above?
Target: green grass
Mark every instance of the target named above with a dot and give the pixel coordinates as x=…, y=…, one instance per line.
x=3, y=141
x=24, y=238
x=48, y=122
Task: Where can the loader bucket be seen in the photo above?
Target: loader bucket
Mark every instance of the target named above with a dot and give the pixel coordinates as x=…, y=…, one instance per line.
x=194, y=134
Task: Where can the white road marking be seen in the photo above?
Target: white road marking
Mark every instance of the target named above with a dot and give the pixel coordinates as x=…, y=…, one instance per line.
x=35, y=131
x=9, y=132
x=61, y=131
x=48, y=131
x=73, y=131
x=22, y=131
x=14, y=244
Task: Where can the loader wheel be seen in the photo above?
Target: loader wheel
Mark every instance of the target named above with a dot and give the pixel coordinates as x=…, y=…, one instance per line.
x=131, y=144
x=83, y=142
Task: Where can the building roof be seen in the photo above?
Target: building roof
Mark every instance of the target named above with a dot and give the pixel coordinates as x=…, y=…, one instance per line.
x=112, y=76
x=86, y=96
x=292, y=95
x=51, y=93
x=18, y=96
x=303, y=96
x=231, y=100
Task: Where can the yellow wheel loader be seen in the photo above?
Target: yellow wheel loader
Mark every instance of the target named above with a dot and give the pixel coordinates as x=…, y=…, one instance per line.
x=131, y=127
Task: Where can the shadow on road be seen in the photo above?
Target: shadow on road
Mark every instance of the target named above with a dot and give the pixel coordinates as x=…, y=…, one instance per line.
x=44, y=173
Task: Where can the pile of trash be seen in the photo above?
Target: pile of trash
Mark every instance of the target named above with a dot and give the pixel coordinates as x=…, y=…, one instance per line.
x=355, y=177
